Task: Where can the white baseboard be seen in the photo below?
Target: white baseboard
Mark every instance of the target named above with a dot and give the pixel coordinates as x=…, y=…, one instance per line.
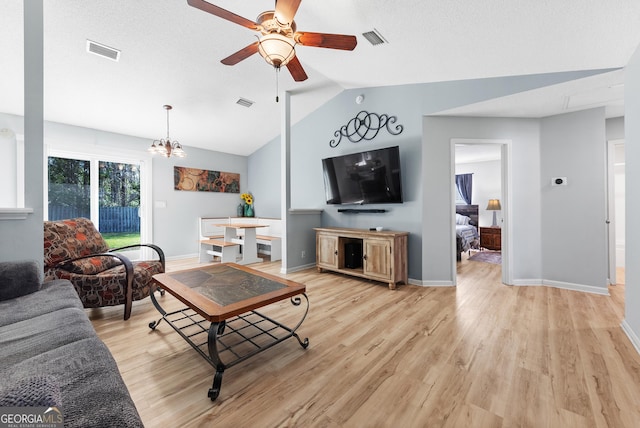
x=527, y=282
x=635, y=340
x=431, y=283
x=297, y=268
x=183, y=256
x=577, y=287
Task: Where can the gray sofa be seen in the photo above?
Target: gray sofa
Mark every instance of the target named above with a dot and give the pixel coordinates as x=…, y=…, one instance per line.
x=50, y=355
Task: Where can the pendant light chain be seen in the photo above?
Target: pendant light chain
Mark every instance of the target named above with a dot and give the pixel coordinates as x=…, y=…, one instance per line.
x=168, y=139
x=277, y=88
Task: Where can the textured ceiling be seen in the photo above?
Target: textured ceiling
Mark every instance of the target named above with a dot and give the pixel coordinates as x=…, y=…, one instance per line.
x=171, y=54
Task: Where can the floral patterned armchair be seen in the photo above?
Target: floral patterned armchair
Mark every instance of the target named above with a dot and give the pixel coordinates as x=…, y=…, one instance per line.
x=76, y=251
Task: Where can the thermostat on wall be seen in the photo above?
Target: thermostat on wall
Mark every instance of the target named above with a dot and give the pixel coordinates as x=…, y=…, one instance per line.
x=559, y=181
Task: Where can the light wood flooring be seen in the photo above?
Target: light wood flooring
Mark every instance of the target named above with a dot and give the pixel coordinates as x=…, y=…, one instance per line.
x=478, y=355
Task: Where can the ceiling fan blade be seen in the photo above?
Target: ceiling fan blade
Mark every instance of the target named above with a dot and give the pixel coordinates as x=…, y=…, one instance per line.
x=223, y=13
x=322, y=40
x=243, y=53
x=286, y=10
x=296, y=70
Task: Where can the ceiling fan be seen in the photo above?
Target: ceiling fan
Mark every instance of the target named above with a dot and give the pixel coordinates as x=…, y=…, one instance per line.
x=278, y=36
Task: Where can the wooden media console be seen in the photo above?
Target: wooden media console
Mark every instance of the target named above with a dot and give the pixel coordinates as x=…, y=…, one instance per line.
x=380, y=256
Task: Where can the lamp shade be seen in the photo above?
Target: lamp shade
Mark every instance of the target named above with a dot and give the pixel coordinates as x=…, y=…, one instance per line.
x=276, y=49
x=494, y=205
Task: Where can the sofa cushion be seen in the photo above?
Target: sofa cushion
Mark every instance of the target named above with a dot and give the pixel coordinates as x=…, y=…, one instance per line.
x=32, y=391
x=19, y=278
x=92, y=390
x=34, y=336
x=92, y=265
x=53, y=296
x=108, y=288
x=69, y=239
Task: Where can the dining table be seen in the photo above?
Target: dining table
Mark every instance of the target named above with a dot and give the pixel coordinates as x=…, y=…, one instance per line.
x=247, y=240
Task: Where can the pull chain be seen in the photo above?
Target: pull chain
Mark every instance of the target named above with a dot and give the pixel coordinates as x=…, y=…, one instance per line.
x=277, y=90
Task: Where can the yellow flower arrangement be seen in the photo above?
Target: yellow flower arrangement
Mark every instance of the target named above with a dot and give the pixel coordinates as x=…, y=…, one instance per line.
x=247, y=198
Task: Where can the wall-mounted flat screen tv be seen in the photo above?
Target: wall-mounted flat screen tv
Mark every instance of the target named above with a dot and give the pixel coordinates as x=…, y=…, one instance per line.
x=371, y=177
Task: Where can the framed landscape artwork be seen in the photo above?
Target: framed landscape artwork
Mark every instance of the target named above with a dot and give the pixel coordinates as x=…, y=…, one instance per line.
x=202, y=180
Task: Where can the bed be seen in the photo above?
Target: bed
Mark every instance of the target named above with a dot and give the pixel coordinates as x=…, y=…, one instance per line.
x=467, y=236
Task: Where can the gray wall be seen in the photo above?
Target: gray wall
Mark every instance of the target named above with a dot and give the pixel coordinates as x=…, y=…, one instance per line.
x=438, y=247
x=175, y=228
x=264, y=179
x=632, y=159
x=615, y=128
x=409, y=103
x=310, y=143
x=549, y=224
x=22, y=239
x=574, y=241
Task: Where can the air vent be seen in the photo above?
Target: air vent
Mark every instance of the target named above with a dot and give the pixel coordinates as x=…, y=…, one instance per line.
x=374, y=37
x=103, y=50
x=244, y=102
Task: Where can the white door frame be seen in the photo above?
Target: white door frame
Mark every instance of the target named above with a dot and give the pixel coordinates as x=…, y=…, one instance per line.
x=506, y=196
x=611, y=209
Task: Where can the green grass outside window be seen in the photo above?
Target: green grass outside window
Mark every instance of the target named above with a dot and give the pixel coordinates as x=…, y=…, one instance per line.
x=117, y=240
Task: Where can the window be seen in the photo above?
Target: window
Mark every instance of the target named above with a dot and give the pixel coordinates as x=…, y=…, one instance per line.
x=69, y=188
x=111, y=191
x=118, y=197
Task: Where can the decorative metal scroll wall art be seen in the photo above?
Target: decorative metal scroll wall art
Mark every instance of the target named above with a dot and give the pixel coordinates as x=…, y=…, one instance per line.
x=365, y=126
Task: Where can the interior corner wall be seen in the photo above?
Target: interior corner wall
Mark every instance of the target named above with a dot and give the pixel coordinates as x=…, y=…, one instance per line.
x=438, y=247
x=264, y=166
x=632, y=159
x=574, y=244
x=175, y=223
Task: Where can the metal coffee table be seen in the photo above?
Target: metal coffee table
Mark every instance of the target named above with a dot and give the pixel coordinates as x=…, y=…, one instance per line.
x=221, y=314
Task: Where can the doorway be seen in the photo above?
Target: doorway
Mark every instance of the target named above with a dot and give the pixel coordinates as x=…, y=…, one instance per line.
x=616, y=210
x=488, y=162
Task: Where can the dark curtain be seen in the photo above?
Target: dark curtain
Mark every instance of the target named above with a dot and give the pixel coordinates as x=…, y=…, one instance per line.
x=464, y=183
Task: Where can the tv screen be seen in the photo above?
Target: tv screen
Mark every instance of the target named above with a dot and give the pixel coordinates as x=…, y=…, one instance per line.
x=371, y=177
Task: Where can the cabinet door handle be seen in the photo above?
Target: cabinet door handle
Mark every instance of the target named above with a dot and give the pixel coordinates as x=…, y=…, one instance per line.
x=335, y=252
x=364, y=257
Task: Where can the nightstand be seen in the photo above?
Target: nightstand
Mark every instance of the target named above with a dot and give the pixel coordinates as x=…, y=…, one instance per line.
x=491, y=238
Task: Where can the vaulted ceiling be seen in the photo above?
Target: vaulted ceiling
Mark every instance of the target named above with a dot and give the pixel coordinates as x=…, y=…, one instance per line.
x=171, y=52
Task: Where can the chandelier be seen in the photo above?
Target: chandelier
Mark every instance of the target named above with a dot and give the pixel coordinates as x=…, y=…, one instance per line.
x=166, y=147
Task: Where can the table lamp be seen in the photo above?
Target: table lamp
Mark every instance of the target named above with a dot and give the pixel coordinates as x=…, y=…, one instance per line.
x=494, y=205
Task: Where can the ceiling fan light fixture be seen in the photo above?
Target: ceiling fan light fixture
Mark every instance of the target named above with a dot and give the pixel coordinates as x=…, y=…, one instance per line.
x=276, y=49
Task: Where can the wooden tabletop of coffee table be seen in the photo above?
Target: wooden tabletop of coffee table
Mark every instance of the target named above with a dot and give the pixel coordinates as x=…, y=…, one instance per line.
x=221, y=291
